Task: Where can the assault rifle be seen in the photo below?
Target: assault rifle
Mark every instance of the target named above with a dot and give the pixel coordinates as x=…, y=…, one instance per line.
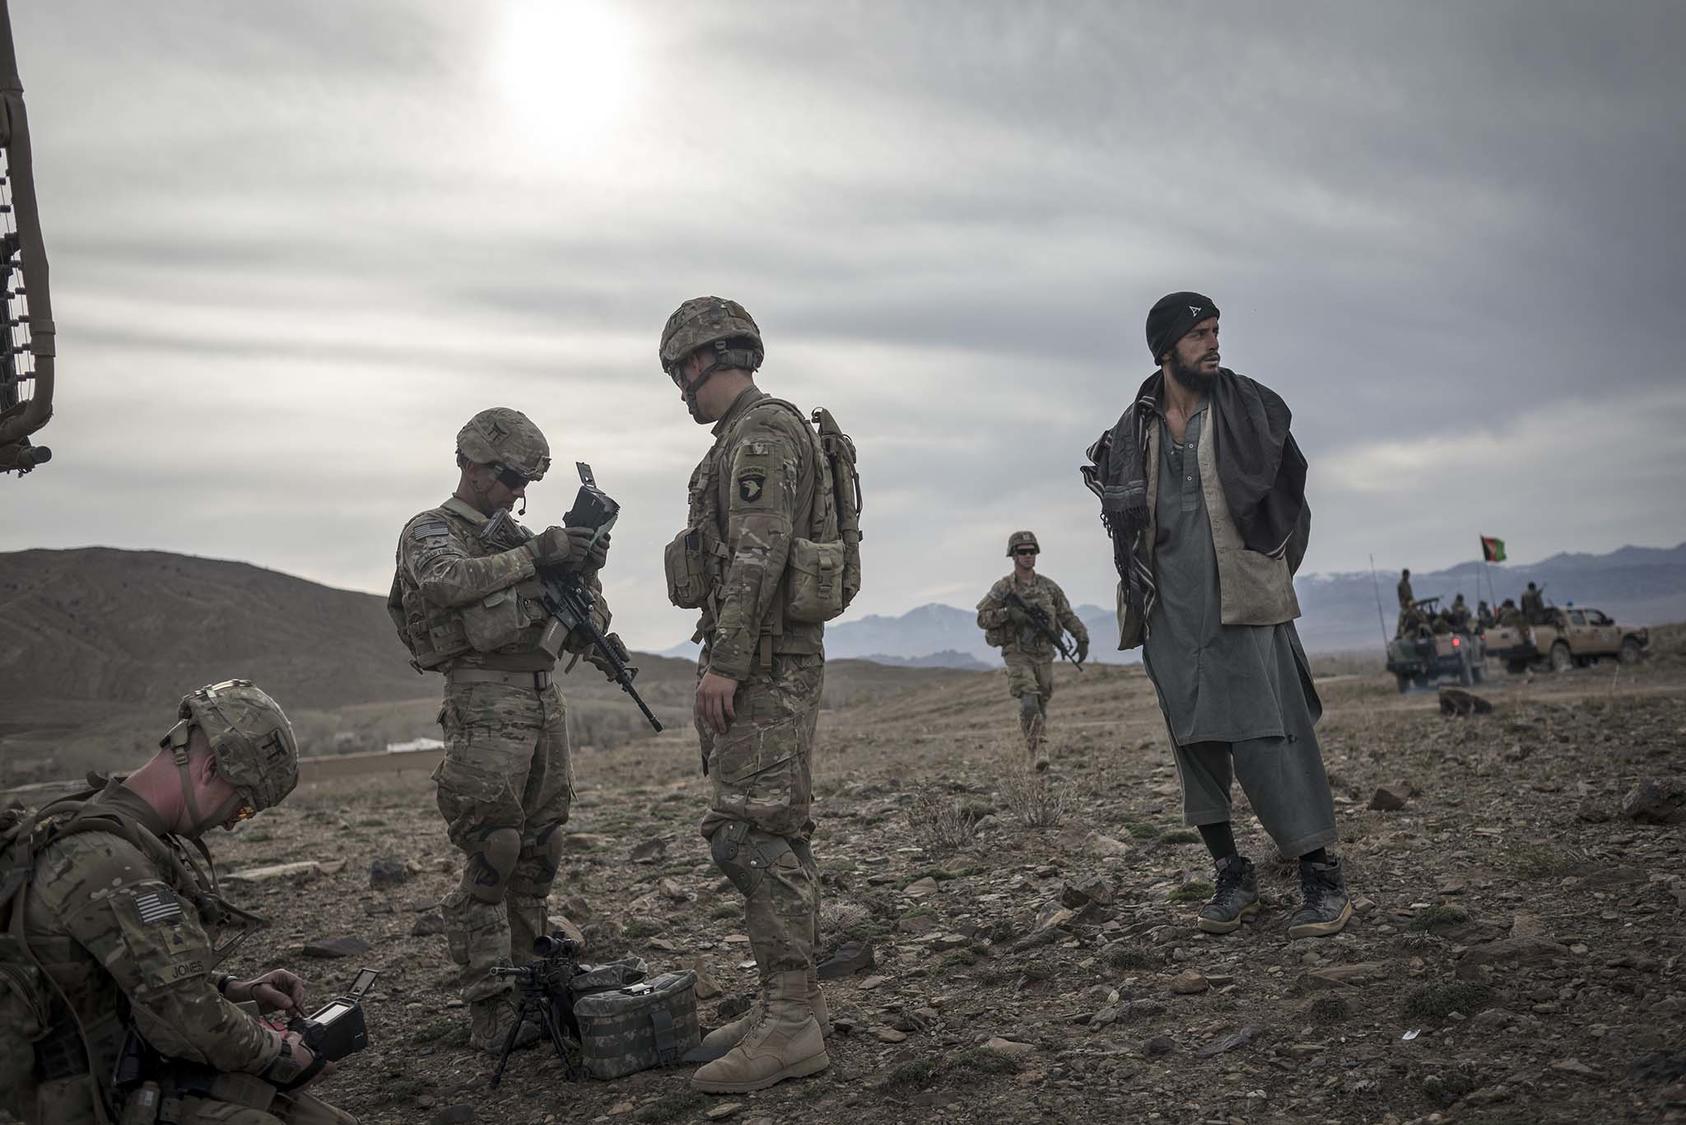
x=545, y=984
x=567, y=599
x=1039, y=621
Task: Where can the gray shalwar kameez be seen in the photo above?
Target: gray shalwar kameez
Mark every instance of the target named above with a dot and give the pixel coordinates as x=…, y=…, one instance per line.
x=1238, y=699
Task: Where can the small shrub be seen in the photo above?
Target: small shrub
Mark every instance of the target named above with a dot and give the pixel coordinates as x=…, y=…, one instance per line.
x=1438, y=918
x=1544, y=861
x=980, y=1061
x=725, y=910
x=1196, y=891
x=1142, y=831
x=1031, y=800
x=1328, y=1009
x=1121, y=956
x=1437, y=1001
x=912, y=1075
x=1179, y=836
x=939, y=820
x=636, y=928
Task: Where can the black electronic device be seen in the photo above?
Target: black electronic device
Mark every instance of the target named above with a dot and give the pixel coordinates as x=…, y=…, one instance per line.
x=337, y=1029
x=593, y=507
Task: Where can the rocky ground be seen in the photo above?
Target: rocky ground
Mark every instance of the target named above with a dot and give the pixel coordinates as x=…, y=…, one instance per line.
x=1516, y=956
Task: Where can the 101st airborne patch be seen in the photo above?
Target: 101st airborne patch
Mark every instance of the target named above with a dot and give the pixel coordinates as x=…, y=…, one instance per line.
x=750, y=485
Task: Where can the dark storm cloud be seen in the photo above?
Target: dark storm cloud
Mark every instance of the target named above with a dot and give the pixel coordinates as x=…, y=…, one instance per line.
x=304, y=235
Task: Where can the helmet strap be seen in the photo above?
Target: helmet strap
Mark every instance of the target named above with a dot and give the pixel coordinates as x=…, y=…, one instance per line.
x=198, y=823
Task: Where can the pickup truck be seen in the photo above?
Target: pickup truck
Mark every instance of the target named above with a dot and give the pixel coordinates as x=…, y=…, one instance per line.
x=1573, y=637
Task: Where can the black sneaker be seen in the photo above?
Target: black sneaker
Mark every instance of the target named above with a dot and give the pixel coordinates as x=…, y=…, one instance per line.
x=1326, y=906
x=1237, y=896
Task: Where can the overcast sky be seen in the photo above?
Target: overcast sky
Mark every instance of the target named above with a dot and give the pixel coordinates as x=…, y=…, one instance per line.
x=296, y=245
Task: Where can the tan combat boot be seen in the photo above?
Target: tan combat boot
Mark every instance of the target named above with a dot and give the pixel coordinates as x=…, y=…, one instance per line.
x=785, y=1042
x=722, y=1039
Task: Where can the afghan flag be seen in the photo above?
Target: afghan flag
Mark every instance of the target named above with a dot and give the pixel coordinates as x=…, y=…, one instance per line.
x=1492, y=550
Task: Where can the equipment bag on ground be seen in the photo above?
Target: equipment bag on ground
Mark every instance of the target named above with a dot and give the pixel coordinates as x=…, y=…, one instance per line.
x=649, y=1024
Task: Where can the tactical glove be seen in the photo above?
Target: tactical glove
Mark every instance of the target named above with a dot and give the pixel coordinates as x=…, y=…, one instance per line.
x=1017, y=616
x=562, y=546
x=598, y=554
x=1082, y=649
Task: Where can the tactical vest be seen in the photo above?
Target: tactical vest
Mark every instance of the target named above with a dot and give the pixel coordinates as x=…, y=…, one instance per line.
x=505, y=629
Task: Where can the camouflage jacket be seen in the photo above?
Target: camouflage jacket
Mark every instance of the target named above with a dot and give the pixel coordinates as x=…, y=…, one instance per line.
x=753, y=492
x=459, y=602
x=121, y=930
x=1043, y=593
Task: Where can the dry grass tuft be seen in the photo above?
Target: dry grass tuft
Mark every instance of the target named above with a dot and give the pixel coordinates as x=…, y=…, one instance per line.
x=938, y=819
x=1031, y=799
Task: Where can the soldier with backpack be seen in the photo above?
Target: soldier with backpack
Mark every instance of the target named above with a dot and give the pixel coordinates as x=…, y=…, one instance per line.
x=770, y=552
x=107, y=953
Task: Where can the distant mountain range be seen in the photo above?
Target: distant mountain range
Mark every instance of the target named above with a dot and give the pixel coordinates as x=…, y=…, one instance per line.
x=1646, y=585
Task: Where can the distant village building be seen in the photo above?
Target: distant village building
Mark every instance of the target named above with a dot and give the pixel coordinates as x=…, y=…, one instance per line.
x=414, y=745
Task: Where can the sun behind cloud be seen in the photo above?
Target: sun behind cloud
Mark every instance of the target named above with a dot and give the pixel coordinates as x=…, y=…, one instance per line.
x=566, y=73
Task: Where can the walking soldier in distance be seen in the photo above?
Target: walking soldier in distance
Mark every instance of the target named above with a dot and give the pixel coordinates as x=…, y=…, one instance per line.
x=768, y=554
x=1016, y=616
x=466, y=606
x=111, y=1005
x=1202, y=490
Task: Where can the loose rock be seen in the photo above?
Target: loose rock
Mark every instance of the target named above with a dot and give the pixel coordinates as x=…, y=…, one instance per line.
x=335, y=947
x=1656, y=801
x=388, y=871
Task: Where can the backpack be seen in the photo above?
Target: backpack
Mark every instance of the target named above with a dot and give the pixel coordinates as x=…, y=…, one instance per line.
x=825, y=571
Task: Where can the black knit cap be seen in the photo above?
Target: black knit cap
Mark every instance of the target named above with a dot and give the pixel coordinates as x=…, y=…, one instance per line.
x=1171, y=318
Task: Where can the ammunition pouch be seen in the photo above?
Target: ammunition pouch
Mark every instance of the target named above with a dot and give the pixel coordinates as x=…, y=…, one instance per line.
x=998, y=637
x=694, y=562
x=495, y=621
x=814, y=577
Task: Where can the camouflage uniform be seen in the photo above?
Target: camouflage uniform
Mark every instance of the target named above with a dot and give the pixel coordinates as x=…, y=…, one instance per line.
x=118, y=915
x=469, y=610
x=1028, y=654
x=1407, y=608
x=124, y=928
x=748, y=497
x=1533, y=605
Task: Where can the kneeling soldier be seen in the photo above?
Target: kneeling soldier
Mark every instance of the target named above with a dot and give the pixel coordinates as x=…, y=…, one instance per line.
x=116, y=914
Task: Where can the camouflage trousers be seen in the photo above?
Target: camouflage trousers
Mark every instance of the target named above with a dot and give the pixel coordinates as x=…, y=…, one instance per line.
x=1030, y=680
x=504, y=790
x=760, y=817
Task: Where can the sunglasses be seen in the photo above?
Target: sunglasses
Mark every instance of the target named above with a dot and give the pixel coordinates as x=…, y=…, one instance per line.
x=1026, y=551
x=511, y=479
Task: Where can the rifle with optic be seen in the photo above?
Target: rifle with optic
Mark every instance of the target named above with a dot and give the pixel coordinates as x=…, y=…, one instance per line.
x=1040, y=622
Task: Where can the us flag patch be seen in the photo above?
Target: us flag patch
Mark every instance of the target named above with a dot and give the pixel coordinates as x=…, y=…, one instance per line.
x=158, y=906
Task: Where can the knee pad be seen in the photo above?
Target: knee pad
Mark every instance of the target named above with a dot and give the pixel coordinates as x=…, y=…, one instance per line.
x=743, y=854
x=1030, y=705
x=548, y=849
x=487, y=875
x=535, y=872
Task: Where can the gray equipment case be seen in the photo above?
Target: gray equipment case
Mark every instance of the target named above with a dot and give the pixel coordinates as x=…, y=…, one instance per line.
x=639, y=1026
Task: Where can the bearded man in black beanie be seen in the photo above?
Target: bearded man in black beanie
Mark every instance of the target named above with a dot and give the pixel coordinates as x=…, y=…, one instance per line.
x=1202, y=491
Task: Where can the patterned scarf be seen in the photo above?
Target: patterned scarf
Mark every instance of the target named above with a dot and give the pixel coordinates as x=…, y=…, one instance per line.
x=1117, y=473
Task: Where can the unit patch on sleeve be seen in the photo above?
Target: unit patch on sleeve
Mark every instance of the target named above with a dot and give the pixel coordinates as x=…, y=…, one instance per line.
x=750, y=485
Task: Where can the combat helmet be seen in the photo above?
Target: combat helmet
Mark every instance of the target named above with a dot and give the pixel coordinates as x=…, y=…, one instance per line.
x=505, y=439
x=1022, y=539
x=712, y=322
x=250, y=738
